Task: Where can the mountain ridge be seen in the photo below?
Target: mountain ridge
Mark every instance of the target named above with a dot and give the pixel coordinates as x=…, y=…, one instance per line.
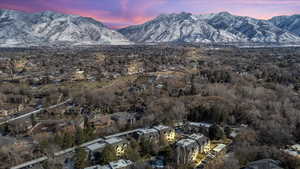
x=18, y=28
x=215, y=27
x=48, y=27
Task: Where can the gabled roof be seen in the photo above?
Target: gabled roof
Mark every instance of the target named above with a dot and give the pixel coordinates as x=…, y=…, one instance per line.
x=120, y=164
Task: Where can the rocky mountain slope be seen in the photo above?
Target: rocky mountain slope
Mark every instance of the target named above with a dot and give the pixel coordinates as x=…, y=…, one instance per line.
x=219, y=27
x=51, y=28
x=289, y=23
x=20, y=28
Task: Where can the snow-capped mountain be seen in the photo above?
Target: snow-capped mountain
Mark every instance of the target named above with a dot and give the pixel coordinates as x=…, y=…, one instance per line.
x=20, y=28
x=289, y=23
x=219, y=27
x=177, y=27
x=46, y=28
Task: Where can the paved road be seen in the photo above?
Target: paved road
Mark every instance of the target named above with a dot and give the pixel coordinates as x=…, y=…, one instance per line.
x=34, y=112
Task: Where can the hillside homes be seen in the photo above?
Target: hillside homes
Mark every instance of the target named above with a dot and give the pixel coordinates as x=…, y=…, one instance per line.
x=186, y=149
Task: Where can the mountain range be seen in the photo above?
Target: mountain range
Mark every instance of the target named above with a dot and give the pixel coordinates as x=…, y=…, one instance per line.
x=219, y=27
x=19, y=28
x=43, y=28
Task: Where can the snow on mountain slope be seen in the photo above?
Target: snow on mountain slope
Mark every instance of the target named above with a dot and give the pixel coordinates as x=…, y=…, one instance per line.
x=288, y=23
x=50, y=27
x=177, y=27
x=220, y=27
x=44, y=28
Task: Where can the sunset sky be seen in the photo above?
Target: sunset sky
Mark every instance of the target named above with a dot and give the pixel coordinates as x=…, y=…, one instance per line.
x=120, y=13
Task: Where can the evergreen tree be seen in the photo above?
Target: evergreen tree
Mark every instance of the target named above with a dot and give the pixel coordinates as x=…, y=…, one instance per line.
x=216, y=132
x=68, y=141
x=108, y=155
x=80, y=158
x=33, y=120
x=79, y=136
x=132, y=154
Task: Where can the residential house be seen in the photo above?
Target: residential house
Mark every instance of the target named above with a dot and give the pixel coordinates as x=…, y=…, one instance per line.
x=100, y=121
x=186, y=151
x=17, y=144
x=119, y=144
x=198, y=127
x=20, y=125
x=78, y=75
x=96, y=147
x=148, y=134
x=3, y=113
x=294, y=150
x=7, y=141
x=189, y=148
x=203, y=142
x=166, y=132
x=219, y=149
x=121, y=164
x=124, y=118
x=296, y=147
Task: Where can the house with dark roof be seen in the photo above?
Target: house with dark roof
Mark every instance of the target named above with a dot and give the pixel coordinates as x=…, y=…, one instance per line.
x=124, y=118
x=264, y=164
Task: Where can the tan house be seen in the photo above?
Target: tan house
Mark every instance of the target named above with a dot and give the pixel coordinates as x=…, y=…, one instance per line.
x=3, y=113
x=100, y=121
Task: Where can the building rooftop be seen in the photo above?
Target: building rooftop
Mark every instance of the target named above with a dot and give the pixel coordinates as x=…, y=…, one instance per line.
x=161, y=127
x=98, y=167
x=122, y=134
x=271, y=164
x=92, y=142
x=7, y=141
x=296, y=147
x=185, y=142
x=201, y=124
x=219, y=148
x=292, y=152
x=146, y=131
x=197, y=136
x=120, y=164
x=96, y=146
x=113, y=140
x=233, y=134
